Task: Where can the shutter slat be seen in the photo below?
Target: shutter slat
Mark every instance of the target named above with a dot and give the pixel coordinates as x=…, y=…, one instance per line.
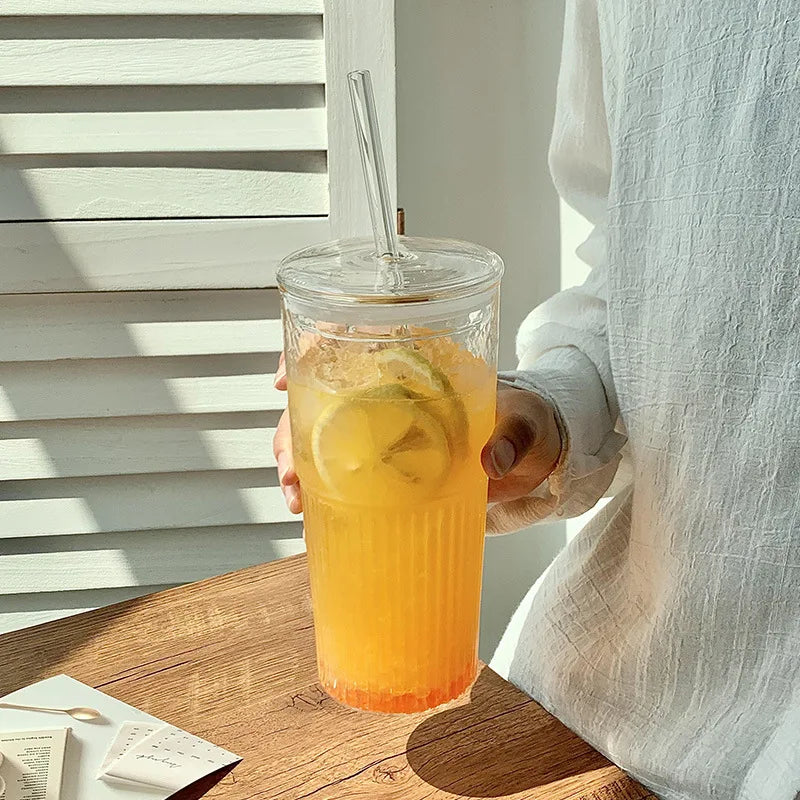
x=119, y=192
x=134, y=324
x=57, y=100
x=132, y=388
x=106, y=339
x=66, y=506
x=24, y=610
x=81, y=7
x=134, y=448
x=124, y=307
x=146, y=557
x=77, y=256
x=183, y=131
x=121, y=62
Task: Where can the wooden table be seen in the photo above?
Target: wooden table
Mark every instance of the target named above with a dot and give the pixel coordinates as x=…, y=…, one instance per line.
x=232, y=660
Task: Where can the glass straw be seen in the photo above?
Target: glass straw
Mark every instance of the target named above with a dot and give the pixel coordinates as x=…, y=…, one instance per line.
x=362, y=99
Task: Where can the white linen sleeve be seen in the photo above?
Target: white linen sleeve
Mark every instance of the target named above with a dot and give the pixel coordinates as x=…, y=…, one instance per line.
x=562, y=345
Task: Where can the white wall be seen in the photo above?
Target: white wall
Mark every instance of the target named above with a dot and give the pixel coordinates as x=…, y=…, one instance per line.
x=475, y=94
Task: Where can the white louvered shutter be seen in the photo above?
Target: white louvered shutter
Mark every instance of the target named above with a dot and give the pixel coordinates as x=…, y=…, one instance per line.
x=157, y=159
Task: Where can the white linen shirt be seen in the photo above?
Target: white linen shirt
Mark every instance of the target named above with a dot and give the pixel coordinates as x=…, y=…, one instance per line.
x=667, y=633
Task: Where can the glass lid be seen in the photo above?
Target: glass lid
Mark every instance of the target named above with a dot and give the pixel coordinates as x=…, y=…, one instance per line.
x=349, y=271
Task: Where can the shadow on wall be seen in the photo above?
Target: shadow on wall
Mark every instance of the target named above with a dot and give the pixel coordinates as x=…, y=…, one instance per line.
x=476, y=86
x=131, y=519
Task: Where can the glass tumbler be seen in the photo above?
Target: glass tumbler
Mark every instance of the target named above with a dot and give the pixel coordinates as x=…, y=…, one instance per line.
x=391, y=368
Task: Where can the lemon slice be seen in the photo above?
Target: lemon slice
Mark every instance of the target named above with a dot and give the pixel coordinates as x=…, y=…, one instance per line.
x=416, y=374
x=379, y=447
x=412, y=370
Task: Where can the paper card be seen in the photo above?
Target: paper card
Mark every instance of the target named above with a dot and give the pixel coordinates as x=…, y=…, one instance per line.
x=89, y=742
x=32, y=764
x=170, y=759
x=130, y=734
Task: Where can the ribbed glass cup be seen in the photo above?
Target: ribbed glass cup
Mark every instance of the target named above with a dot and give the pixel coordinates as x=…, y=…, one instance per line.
x=391, y=398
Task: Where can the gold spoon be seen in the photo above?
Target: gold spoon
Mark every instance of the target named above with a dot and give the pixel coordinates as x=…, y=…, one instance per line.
x=83, y=714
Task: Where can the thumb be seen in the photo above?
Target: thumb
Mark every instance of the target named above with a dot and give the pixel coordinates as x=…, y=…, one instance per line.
x=513, y=438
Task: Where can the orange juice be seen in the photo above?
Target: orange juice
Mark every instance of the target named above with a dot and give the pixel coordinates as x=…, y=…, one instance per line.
x=387, y=440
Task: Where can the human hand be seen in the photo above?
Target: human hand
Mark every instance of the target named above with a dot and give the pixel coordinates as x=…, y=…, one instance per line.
x=524, y=447
x=282, y=448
